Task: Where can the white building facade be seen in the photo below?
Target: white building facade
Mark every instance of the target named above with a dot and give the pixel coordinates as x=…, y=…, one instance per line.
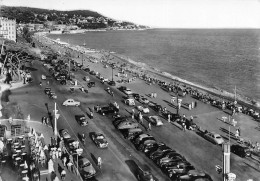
x=8, y=28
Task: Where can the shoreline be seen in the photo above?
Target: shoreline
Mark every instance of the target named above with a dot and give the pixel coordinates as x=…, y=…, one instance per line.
x=170, y=78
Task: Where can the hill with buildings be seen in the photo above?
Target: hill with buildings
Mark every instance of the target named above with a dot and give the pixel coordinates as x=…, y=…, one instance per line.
x=84, y=19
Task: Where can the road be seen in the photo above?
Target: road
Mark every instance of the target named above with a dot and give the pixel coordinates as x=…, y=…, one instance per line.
x=201, y=153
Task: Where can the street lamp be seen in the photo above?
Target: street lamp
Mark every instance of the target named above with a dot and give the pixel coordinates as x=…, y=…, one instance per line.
x=112, y=72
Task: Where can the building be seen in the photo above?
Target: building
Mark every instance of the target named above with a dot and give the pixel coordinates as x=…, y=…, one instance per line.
x=8, y=28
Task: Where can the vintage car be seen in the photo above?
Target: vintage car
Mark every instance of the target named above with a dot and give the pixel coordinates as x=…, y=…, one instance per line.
x=99, y=139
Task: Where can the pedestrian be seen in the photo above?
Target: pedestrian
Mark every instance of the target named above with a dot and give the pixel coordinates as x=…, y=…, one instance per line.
x=99, y=162
x=195, y=104
x=191, y=119
x=183, y=126
x=133, y=116
x=63, y=174
x=155, y=95
x=237, y=134
x=52, y=141
x=64, y=161
x=43, y=120
x=91, y=115
x=169, y=118
x=69, y=165
x=149, y=127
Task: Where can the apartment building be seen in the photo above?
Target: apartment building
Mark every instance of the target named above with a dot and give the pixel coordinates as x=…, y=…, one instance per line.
x=8, y=28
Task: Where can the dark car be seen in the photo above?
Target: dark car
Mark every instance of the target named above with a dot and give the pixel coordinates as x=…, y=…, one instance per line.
x=174, y=172
x=47, y=90
x=91, y=84
x=100, y=140
x=152, y=147
x=110, y=109
x=117, y=121
x=122, y=88
x=240, y=150
x=158, y=152
x=86, y=69
x=161, y=153
x=136, y=96
x=145, y=141
x=174, y=164
x=194, y=175
x=92, y=72
x=144, y=175
x=81, y=119
x=112, y=83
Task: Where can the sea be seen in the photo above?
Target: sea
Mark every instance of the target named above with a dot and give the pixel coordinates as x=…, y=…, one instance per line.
x=226, y=59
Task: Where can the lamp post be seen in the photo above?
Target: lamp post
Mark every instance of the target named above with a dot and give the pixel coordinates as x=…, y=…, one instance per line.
x=112, y=73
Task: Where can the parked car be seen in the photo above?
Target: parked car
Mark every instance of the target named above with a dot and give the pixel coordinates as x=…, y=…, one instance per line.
x=129, y=102
x=119, y=120
x=71, y=102
x=174, y=172
x=132, y=132
x=86, y=169
x=164, y=160
x=100, y=140
x=127, y=125
x=64, y=133
x=86, y=69
x=144, y=175
x=155, y=120
x=86, y=78
x=127, y=91
x=122, y=88
x=91, y=84
x=143, y=109
x=174, y=164
x=92, y=72
x=143, y=100
x=152, y=147
x=81, y=119
x=241, y=150
x=112, y=83
x=215, y=138
x=194, y=175
x=138, y=139
x=145, y=142
x=52, y=95
x=159, y=149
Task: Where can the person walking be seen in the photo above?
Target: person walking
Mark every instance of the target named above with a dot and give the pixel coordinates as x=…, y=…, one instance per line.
x=237, y=134
x=169, y=118
x=149, y=127
x=64, y=160
x=63, y=174
x=99, y=162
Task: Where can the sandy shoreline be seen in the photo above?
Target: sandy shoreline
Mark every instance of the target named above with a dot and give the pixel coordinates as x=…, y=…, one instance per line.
x=141, y=68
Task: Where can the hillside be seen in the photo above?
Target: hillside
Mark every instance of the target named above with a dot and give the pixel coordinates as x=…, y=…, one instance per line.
x=81, y=18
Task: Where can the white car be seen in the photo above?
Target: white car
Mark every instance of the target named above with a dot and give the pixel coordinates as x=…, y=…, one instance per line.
x=143, y=109
x=128, y=91
x=143, y=100
x=71, y=102
x=43, y=77
x=130, y=102
x=215, y=138
x=155, y=120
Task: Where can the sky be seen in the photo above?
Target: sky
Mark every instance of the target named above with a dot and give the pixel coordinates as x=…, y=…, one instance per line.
x=163, y=13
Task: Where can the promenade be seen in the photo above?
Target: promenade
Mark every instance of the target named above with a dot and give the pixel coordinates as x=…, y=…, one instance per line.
x=203, y=154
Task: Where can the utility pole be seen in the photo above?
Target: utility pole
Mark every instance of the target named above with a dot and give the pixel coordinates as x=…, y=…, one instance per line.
x=55, y=121
x=56, y=116
x=112, y=73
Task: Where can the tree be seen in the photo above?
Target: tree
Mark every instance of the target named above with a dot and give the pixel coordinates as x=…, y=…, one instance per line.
x=27, y=34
